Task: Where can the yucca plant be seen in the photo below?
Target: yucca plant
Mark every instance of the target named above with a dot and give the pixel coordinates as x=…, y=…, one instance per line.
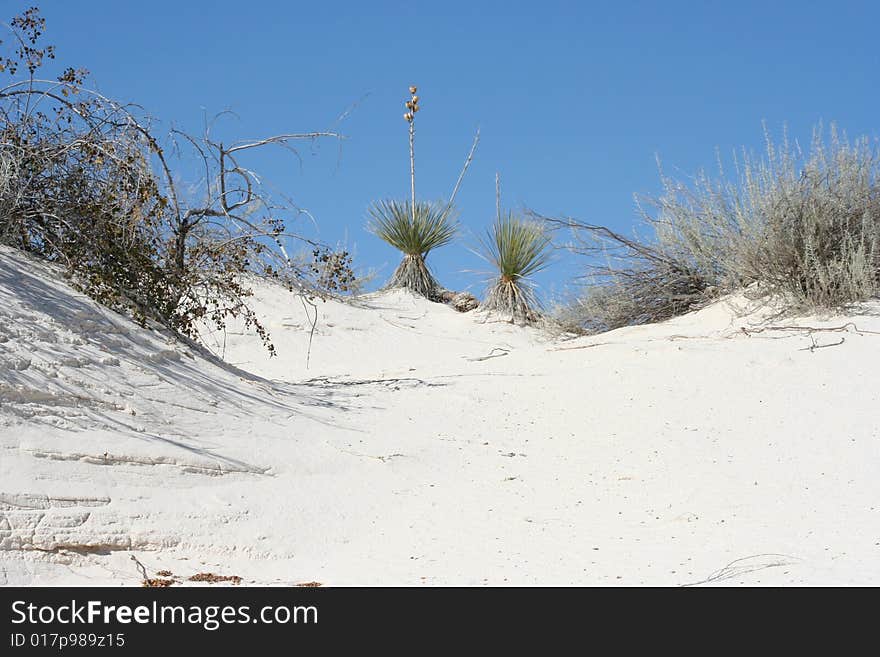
x=415, y=230
x=518, y=249
x=416, y=227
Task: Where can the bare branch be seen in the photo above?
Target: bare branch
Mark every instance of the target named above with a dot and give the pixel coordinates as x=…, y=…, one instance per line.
x=467, y=163
x=282, y=139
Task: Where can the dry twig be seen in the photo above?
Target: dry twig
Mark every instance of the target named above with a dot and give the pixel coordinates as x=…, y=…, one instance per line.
x=492, y=354
x=812, y=329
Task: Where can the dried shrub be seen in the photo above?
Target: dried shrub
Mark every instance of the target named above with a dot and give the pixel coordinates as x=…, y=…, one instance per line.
x=800, y=227
x=85, y=182
x=333, y=270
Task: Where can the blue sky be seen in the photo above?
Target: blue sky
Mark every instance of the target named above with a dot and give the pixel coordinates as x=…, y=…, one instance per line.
x=574, y=99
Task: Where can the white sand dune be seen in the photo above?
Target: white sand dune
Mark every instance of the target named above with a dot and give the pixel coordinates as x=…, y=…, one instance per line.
x=422, y=446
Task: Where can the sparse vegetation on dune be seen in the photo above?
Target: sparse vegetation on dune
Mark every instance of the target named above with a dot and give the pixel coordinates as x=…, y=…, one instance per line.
x=85, y=183
x=800, y=227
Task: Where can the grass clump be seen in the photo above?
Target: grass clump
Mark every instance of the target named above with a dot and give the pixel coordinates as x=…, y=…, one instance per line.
x=517, y=249
x=800, y=227
x=415, y=230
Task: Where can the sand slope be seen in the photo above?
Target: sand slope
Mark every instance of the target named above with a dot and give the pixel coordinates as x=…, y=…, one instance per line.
x=422, y=446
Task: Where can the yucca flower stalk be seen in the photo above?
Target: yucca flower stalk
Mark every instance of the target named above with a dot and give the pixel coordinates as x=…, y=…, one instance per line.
x=412, y=106
x=518, y=249
x=415, y=230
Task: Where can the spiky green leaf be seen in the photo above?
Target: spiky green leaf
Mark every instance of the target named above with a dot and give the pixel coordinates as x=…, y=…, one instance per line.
x=516, y=247
x=431, y=226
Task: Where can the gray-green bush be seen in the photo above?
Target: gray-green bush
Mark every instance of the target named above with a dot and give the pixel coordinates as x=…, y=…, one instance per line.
x=801, y=227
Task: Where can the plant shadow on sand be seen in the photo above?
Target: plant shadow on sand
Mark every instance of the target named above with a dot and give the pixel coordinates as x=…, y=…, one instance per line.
x=53, y=326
